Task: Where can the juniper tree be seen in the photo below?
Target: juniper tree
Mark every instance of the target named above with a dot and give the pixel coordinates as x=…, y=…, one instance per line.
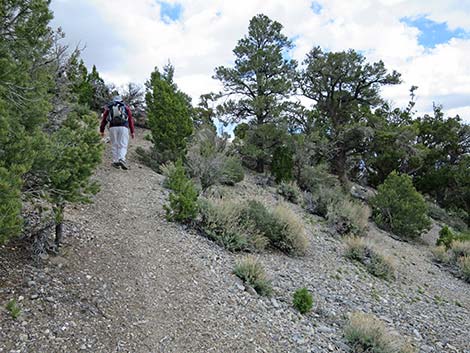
x=169, y=115
x=257, y=87
x=344, y=89
x=25, y=41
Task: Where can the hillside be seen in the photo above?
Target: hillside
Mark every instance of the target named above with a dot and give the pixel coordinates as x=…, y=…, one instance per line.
x=126, y=280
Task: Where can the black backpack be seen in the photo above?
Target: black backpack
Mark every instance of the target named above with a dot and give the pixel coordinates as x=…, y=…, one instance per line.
x=117, y=114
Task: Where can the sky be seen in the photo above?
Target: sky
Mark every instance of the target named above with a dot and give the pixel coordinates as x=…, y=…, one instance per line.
x=427, y=41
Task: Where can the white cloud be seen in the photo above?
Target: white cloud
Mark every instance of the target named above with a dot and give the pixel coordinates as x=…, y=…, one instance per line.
x=127, y=39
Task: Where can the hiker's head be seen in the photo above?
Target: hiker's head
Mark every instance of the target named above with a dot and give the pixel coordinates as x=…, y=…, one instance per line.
x=117, y=99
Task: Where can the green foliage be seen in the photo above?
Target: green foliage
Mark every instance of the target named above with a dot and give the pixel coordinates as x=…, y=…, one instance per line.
x=399, y=208
x=303, y=300
x=344, y=88
x=251, y=271
x=282, y=164
x=456, y=218
x=232, y=171
x=169, y=115
x=445, y=237
x=376, y=263
x=260, y=82
x=444, y=174
x=348, y=216
x=183, y=198
x=13, y=308
x=366, y=333
x=290, y=191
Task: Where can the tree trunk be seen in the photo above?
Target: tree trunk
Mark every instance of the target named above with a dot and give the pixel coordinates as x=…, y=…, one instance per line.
x=260, y=165
x=59, y=220
x=58, y=233
x=339, y=168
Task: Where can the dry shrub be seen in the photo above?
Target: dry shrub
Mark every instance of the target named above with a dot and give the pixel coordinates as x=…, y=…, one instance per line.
x=375, y=262
x=251, y=271
x=221, y=221
x=464, y=267
x=349, y=217
x=291, y=237
x=366, y=333
x=290, y=191
x=460, y=248
x=441, y=254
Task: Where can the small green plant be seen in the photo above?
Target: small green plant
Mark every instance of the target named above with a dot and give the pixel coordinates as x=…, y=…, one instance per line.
x=445, y=237
x=290, y=191
x=441, y=254
x=399, y=208
x=303, y=300
x=250, y=271
x=183, y=198
x=376, y=263
x=13, y=308
x=366, y=333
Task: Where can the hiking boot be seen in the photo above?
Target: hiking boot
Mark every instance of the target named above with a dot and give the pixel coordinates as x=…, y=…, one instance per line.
x=116, y=165
x=123, y=164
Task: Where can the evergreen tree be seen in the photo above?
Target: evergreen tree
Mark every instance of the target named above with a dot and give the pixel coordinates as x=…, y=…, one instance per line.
x=169, y=115
x=259, y=83
x=344, y=88
x=25, y=41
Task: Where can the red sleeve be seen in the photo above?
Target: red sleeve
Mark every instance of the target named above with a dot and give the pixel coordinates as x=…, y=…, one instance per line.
x=131, y=119
x=104, y=120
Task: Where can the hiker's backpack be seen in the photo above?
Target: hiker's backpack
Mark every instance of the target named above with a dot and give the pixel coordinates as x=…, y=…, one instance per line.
x=117, y=114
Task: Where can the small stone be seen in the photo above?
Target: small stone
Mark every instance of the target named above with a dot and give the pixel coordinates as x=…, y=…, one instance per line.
x=250, y=290
x=88, y=277
x=23, y=337
x=324, y=329
x=20, y=298
x=34, y=296
x=275, y=303
x=427, y=349
x=50, y=299
x=240, y=286
x=83, y=347
x=31, y=283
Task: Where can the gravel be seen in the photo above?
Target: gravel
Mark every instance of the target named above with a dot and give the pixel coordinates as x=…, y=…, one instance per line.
x=126, y=280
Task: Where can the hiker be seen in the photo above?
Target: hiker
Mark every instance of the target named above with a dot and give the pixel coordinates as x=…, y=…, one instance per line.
x=119, y=116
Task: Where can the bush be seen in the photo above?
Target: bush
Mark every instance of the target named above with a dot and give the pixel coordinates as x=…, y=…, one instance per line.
x=441, y=254
x=183, y=198
x=153, y=158
x=460, y=248
x=232, y=171
x=13, y=309
x=290, y=191
x=207, y=160
x=399, y=208
x=282, y=164
x=250, y=271
x=169, y=170
x=447, y=237
x=376, y=263
x=317, y=203
x=282, y=227
x=348, y=217
x=454, y=218
x=303, y=300
x=221, y=221
x=290, y=237
x=311, y=178
x=366, y=333
x=464, y=266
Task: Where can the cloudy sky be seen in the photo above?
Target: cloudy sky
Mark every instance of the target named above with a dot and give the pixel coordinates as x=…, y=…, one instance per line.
x=427, y=41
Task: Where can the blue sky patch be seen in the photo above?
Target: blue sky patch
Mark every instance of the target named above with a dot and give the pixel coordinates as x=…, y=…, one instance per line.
x=434, y=33
x=316, y=7
x=170, y=12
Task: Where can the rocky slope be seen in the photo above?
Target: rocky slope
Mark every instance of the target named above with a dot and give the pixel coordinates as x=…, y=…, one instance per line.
x=126, y=280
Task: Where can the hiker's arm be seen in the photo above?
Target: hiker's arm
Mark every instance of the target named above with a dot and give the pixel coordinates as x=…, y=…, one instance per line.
x=103, y=122
x=131, y=121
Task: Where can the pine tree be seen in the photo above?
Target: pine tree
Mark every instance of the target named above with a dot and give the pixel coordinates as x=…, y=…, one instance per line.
x=169, y=115
x=260, y=82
